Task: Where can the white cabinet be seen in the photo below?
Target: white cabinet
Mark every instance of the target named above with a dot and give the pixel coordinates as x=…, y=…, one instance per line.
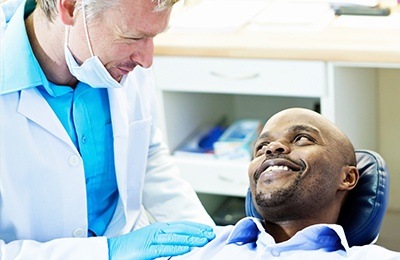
x=241, y=76
x=199, y=91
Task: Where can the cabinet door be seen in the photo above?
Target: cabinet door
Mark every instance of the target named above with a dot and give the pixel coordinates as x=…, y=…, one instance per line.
x=241, y=76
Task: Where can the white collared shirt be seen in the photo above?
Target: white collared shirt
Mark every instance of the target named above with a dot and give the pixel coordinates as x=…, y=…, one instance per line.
x=248, y=240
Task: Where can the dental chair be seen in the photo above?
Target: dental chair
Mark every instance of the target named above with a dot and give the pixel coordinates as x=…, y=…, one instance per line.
x=365, y=207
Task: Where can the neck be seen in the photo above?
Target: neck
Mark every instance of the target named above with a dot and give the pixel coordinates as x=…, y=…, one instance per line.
x=47, y=41
x=285, y=230
x=282, y=230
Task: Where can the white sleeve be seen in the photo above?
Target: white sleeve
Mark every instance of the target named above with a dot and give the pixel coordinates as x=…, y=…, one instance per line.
x=167, y=197
x=95, y=248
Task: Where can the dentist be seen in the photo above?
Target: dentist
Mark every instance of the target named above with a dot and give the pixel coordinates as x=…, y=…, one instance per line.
x=82, y=163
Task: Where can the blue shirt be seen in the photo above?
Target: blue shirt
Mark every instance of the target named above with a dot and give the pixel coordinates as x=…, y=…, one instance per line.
x=84, y=112
x=249, y=240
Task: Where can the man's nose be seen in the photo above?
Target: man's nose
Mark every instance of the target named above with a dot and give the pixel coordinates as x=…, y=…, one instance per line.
x=145, y=53
x=277, y=147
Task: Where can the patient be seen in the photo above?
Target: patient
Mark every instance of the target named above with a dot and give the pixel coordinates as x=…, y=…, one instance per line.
x=302, y=170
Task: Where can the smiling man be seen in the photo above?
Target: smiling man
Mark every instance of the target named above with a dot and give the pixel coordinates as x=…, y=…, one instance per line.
x=303, y=168
x=301, y=173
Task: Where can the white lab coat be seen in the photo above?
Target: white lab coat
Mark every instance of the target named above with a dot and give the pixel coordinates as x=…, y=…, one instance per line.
x=42, y=180
x=43, y=211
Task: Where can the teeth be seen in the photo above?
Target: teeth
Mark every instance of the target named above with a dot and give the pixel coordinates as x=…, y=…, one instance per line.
x=276, y=167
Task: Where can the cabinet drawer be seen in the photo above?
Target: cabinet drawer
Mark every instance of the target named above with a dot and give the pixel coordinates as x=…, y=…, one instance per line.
x=215, y=176
x=241, y=76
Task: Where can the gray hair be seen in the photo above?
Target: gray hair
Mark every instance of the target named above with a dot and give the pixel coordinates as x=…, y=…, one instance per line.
x=94, y=8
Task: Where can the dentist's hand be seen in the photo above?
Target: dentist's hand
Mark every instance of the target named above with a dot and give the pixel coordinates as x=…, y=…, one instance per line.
x=160, y=240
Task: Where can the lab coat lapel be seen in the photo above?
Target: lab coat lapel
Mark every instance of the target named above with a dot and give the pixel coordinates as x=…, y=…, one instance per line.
x=120, y=125
x=33, y=106
x=131, y=131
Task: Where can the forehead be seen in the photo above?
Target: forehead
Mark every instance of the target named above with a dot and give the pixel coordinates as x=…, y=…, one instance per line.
x=139, y=16
x=298, y=121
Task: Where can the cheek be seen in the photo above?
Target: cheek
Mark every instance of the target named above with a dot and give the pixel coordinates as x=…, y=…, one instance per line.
x=323, y=171
x=250, y=171
x=253, y=166
x=115, y=55
x=316, y=159
x=255, y=163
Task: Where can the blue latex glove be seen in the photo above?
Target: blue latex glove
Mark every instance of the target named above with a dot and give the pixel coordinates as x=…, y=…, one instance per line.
x=159, y=240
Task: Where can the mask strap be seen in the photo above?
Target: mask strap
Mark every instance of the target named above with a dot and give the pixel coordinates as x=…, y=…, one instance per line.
x=86, y=30
x=66, y=36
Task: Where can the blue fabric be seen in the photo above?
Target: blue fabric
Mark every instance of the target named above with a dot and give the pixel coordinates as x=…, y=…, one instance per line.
x=249, y=240
x=84, y=112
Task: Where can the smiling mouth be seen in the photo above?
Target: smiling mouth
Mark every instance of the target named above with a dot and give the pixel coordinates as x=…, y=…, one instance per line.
x=278, y=165
x=277, y=168
x=124, y=71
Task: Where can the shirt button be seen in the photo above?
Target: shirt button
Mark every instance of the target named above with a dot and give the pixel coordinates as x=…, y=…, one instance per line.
x=73, y=160
x=78, y=232
x=84, y=139
x=275, y=252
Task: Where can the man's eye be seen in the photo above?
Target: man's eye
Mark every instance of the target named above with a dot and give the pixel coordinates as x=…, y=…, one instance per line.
x=260, y=149
x=134, y=39
x=304, y=139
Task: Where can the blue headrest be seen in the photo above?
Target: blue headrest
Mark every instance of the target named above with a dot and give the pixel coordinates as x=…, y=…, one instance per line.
x=362, y=215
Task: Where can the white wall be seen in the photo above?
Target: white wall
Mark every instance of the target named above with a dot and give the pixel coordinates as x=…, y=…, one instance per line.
x=389, y=148
x=389, y=129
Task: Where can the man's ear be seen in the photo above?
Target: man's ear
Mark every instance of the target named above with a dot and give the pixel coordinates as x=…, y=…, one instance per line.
x=350, y=176
x=66, y=9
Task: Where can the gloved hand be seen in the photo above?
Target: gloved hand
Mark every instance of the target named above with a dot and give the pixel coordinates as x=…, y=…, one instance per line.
x=159, y=240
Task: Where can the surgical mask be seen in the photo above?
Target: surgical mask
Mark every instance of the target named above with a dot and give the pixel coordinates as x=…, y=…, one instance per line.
x=92, y=71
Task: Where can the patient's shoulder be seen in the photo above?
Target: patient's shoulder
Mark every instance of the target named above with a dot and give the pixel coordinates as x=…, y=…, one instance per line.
x=373, y=252
x=212, y=248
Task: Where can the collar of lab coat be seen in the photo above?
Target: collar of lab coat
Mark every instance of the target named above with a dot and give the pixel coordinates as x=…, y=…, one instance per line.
x=34, y=107
x=16, y=47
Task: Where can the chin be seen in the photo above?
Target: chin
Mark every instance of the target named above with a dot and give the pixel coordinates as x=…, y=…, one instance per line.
x=118, y=79
x=116, y=76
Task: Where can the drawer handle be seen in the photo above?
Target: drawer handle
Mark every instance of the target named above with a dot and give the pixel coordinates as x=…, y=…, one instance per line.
x=235, y=77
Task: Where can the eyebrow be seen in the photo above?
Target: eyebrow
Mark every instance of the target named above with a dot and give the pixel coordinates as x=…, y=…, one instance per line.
x=295, y=128
x=153, y=34
x=136, y=34
x=304, y=128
